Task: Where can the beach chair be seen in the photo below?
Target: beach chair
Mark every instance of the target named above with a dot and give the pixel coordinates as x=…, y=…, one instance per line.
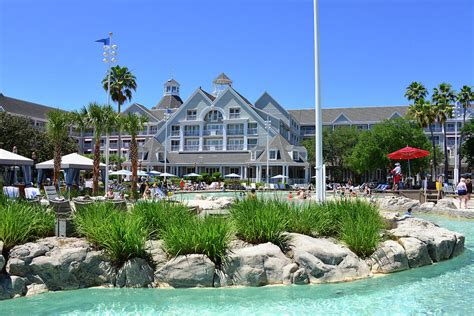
x=51, y=193
x=62, y=207
x=31, y=193
x=11, y=192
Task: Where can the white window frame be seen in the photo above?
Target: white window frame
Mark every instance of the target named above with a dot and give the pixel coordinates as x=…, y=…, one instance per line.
x=273, y=151
x=234, y=115
x=253, y=155
x=297, y=156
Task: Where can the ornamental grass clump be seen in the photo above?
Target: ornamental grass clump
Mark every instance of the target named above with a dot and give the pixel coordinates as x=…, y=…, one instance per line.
x=259, y=221
x=157, y=215
x=192, y=235
x=120, y=234
x=21, y=222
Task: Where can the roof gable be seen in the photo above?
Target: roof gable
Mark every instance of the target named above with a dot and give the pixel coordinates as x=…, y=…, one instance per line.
x=140, y=110
x=341, y=119
x=268, y=104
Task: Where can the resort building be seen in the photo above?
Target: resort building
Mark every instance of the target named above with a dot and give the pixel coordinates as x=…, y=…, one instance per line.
x=224, y=132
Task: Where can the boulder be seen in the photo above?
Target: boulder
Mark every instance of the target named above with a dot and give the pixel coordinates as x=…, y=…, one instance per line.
x=255, y=266
x=389, y=257
x=426, y=207
x=136, y=272
x=158, y=255
x=187, y=271
x=60, y=263
x=442, y=244
x=398, y=203
x=324, y=260
x=416, y=251
x=34, y=289
x=445, y=204
x=2, y=259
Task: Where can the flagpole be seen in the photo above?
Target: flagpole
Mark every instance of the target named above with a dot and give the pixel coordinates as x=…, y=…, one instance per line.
x=320, y=181
x=107, y=134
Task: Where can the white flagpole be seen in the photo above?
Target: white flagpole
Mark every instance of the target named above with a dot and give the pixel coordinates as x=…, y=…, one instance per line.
x=107, y=134
x=320, y=181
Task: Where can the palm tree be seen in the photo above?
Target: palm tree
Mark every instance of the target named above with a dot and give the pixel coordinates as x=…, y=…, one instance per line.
x=79, y=119
x=443, y=98
x=465, y=98
x=57, y=128
x=122, y=83
x=102, y=118
x=416, y=91
x=424, y=114
x=133, y=123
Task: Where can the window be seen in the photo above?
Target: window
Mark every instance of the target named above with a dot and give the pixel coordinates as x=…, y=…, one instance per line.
x=296, y=155
x=252, y=129
x=273, y=154
x=234, y=113
x=175, y=130
x=253, y=155
x=191, y=115
x=234, y=170
x=153, y=129
x=214, y=116
x=174, y=145
x=173, y=89
x=251, y=143
x=191, y=130
x=235, y=129
x=168, y=88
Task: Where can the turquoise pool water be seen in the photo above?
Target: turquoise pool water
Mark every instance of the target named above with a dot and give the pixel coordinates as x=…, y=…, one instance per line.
x=445, y=288
x=191, y=195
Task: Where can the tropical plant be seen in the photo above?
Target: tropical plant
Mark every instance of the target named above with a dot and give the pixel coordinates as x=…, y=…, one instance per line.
x=467, y=151
x=465, y=98
x=424, y=114
x=443, y=98
x=56, y=127
x=21, y=222
x=133, y=124
x=122, y=83
x=415, y=92
x=120, y=234
x=103, y=119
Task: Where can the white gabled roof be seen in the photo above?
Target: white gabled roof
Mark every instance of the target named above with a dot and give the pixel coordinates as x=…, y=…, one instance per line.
x=73, y=160
x=7, y=158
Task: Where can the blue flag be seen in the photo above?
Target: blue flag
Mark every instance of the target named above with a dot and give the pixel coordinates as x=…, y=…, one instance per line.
x=106, y=41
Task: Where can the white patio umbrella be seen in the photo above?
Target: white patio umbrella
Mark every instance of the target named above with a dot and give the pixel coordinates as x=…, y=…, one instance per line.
x=122, y=172
x=141, y=173
x=167, y=175
x=154, y=173
x=279, y=176
x=192, y=174
x=232, y=175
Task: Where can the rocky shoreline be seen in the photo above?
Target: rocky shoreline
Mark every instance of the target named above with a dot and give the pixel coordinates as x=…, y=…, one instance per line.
x=444, y=206
x=53, y=264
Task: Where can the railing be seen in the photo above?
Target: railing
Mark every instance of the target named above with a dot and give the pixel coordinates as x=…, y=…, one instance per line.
x=191, y=117
x=235, y=147
x=234, y=115
x=252, y=131
x=191, y=133
x=212, y=147
x=191, y=148
x=208, y=132
x=176, y=148
x=235, y=132
x=176, y=133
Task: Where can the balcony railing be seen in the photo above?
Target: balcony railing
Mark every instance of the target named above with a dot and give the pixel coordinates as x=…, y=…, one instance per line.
x=212, y=147
x=235, y=147
x=234, y=115
x=191, y=133
x=208, y=132
x=176, y=148
x=252, y=131
x=191, y=147
x=176, y=133
x=235, y=132
x=191, y=117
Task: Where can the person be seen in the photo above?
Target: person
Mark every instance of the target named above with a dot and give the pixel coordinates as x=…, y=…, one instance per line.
x=122, y=195
x=181, y=184
x=469, y=189
x=147, y=193
x=461, y=189
x=252, y=195
x=143, y=186
x=397, y=176
x=110, y=194
x=439, y=187
x=290, y=196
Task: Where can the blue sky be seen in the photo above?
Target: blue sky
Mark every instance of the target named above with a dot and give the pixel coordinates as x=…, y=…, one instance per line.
x=370, y=49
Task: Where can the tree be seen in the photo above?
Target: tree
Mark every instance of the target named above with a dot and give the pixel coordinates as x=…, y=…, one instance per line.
x=465, y=98
x=370, y=152
x=443, y=98
x=416, y=91
x=122, y=83
x=467, y=147
x=424, y=114
x=57, y=126
x=102, y=118
x=133, y=124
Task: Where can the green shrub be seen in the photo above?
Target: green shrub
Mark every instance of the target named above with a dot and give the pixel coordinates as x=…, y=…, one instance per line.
x=158, y=215
x=21, y=222
x=259, y=221
x=120, y=234
x=187, y=235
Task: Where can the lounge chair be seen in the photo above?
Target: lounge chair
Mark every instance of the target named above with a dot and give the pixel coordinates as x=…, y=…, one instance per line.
x=51, y=192
x=11, y=192
x=61, y=207
x=119, y=205
x=79, y=204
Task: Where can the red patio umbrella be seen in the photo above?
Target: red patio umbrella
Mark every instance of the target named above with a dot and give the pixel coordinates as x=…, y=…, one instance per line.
x=408, y=153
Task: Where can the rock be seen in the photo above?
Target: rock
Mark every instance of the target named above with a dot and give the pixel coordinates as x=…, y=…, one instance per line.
x=158, y=255
x=442, y=244
x=445, y=204
x=237, y=244
x=187, y=271
x=300, y=277
x=60, y=263
x=416, y=251
x=255, y=266
x=34, y=289
x=136, y=272
x=426, y=207
x=18, y=285
x=2, y=262
x=389, y=257
x=288, y=272
x=325, y=261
